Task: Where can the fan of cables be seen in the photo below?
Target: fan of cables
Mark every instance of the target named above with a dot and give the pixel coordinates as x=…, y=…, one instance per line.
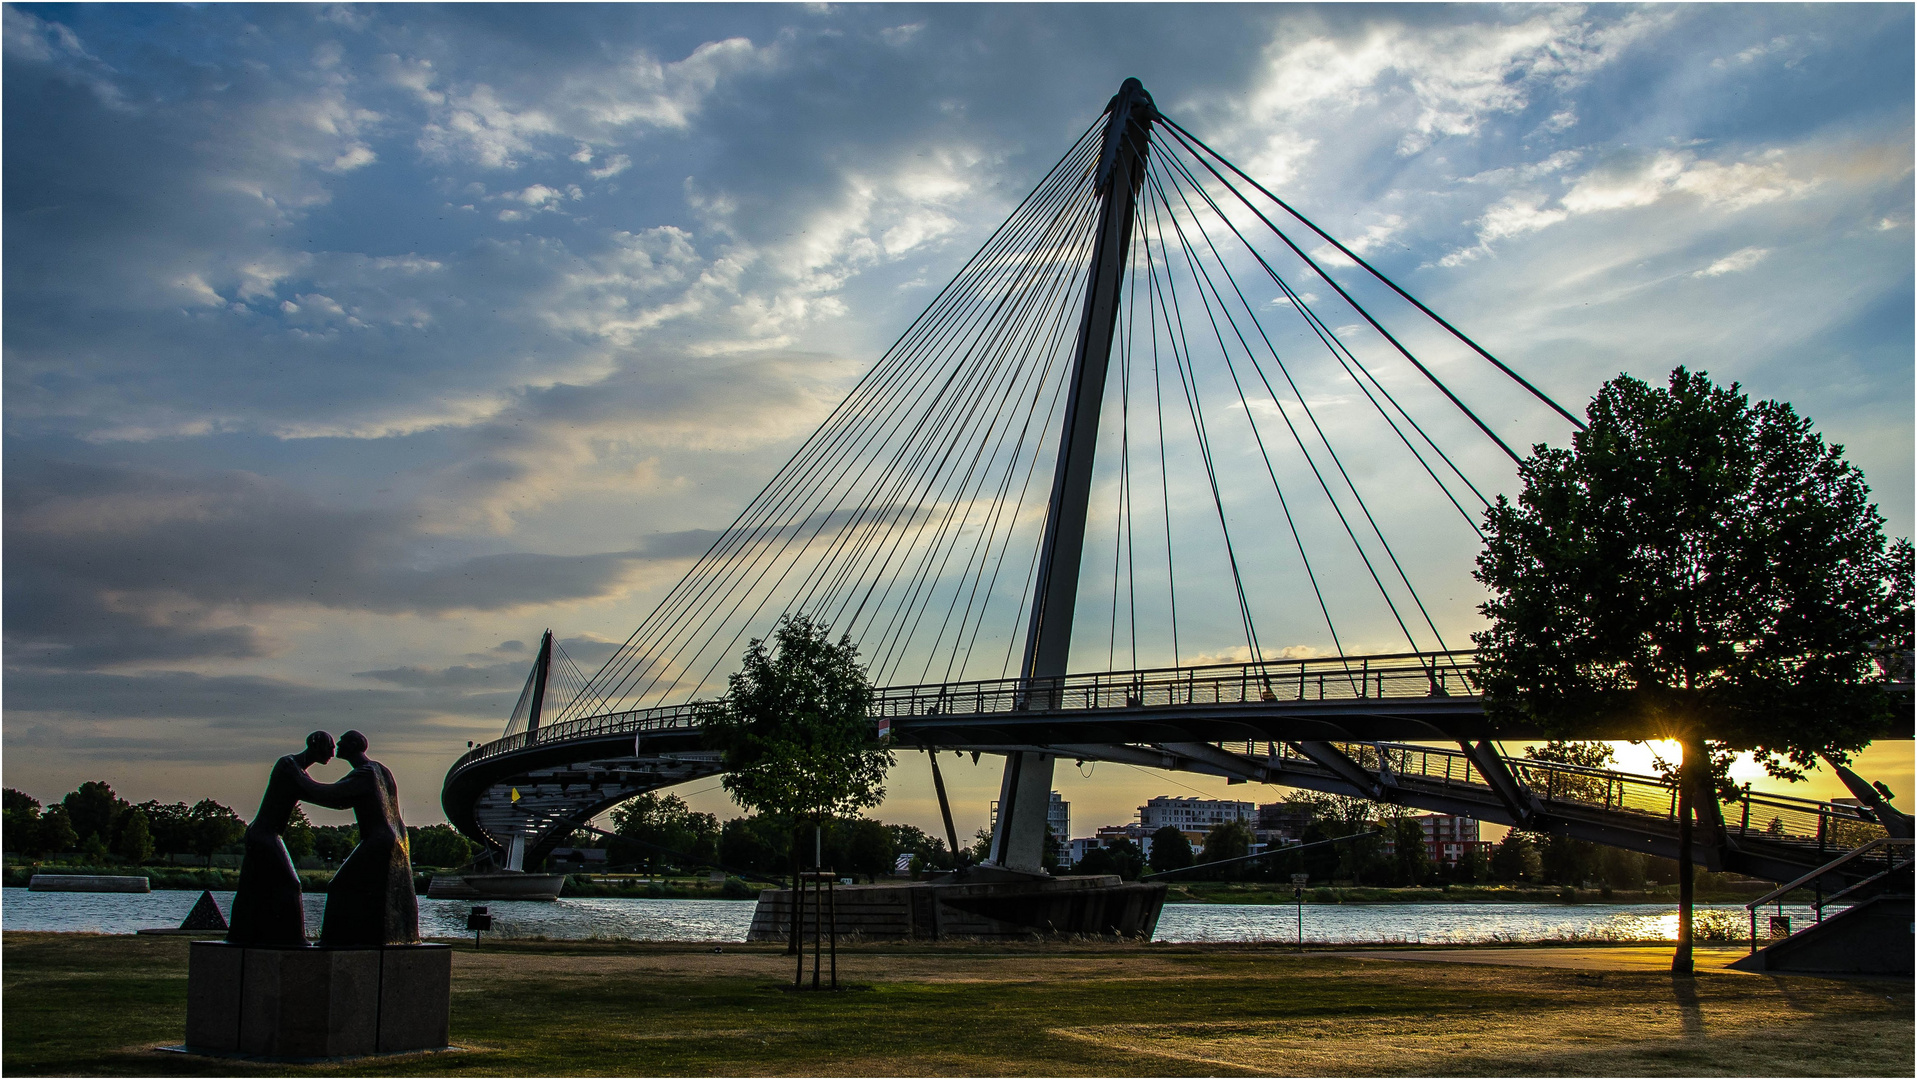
x=1256, y=452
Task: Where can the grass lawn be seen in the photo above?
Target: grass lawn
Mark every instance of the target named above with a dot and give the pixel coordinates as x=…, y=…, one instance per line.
x=95, y=1005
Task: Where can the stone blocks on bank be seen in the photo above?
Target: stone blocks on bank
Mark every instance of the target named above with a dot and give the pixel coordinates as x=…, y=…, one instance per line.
x=1092, y=905
x=312, y=1002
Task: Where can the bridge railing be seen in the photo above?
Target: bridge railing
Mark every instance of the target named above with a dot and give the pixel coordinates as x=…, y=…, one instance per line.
x=1396, y=675
x=1753, y=814
x=633, y=721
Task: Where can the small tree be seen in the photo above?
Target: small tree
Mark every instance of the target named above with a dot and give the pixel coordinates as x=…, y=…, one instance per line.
x=1170, y=850
x=56, y=831
x=1226, y=840
x=796, y=732
x=1695, y=567
x=335, y=842
x=22, y=822
x=1515, y=858
x=1411, y=863
x=94, y=809
x=170, y=825
x=136, y=840
x=1471, y=866
x=299, y=839
x=867, y=846
x=1121, y=857
x=662, y=821
x=214, y=827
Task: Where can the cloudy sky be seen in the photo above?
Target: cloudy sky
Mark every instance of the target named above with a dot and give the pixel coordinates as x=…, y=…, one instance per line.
x=347, y=348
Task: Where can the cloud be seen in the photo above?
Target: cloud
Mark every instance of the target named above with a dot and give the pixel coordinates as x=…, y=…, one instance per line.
x=119, y=565
x=1433, y=82
x=1634, y=184
x=1735, y=262
x=1731, y=185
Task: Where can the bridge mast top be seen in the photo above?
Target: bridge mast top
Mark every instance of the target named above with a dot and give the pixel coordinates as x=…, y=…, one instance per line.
x=1127, y=134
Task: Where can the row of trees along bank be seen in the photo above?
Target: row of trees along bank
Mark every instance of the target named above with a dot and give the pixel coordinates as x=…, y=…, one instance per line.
x=92, y=824
x=659, y=833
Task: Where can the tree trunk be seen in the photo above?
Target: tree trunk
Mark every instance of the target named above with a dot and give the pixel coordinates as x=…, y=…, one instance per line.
x=1686, y=869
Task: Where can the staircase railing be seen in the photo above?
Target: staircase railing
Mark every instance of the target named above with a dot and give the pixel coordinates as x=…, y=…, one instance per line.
x=1886, y=843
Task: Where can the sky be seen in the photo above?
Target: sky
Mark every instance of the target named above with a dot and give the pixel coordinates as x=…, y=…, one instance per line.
x=348, y=348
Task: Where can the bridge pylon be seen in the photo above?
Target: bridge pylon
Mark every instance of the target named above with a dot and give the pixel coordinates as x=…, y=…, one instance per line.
x=1018, y=836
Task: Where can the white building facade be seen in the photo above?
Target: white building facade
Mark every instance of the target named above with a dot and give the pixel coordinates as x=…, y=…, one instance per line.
x=1193, y=814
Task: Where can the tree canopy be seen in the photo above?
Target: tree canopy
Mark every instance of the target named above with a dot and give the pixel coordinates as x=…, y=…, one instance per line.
x=795, y=731
x=1170, y=849
x=1698, y=567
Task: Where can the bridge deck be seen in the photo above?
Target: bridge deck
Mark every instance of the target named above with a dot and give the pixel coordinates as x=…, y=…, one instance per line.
x=1356, y=726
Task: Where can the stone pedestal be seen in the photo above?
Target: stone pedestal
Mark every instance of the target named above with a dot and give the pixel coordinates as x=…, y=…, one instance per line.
x=312, y=1002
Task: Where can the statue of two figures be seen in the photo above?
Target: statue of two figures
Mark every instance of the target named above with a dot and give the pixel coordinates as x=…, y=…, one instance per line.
x=371, y=900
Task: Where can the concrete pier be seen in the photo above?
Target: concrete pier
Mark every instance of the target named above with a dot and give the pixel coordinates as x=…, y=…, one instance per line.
x=1100, y=906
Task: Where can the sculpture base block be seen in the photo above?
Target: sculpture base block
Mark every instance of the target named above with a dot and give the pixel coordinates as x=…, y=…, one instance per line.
x=315, y=1002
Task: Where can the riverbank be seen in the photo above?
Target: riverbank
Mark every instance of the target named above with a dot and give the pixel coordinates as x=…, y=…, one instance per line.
x=1262, y=892
x=95, y=1005
x=1710, y=891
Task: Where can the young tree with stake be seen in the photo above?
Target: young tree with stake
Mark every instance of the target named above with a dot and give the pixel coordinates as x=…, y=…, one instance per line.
x=798, y=740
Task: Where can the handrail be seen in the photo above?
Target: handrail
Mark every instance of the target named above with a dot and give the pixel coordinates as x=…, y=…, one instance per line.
x=1786, y=889
x=1782, y=890
x=1255, y=680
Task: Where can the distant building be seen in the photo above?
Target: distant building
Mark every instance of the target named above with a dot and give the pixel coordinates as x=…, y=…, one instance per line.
x=1058, y=818
x=1193, y=814
x=1447, y=837
x=1281, y=823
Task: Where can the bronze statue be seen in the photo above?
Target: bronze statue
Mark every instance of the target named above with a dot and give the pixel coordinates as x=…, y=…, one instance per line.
x=266, y=906
x=371, y=900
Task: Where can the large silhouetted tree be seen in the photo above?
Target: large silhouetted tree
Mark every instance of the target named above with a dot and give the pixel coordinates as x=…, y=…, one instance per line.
x=1699, y=568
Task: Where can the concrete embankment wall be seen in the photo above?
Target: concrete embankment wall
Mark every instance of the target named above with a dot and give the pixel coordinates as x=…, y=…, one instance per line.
x=1102, y=906
x=87, y=883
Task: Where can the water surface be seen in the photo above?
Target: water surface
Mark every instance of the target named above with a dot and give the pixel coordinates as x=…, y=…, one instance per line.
x=637, y=919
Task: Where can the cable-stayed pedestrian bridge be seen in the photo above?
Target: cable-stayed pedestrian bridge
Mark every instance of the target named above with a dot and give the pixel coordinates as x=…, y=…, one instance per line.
x=1371, y=727
x=1159, y=415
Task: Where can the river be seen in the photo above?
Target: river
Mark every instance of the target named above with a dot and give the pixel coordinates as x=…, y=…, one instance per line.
x=624, y=919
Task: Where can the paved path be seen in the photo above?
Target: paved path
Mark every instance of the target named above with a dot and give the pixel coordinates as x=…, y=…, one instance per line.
x=1580, y=958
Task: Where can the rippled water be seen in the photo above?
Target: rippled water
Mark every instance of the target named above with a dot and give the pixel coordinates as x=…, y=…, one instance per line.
x=727, y=920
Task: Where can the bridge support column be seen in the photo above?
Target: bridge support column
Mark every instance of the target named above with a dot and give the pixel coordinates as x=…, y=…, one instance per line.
x=516, y=854
x=1025, y=792
x=1024, y=801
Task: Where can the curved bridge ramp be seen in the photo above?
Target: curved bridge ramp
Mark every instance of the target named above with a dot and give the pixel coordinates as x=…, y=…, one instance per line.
x=1402, y=729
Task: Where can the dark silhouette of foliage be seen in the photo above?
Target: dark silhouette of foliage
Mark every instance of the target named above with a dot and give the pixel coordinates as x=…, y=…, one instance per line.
x=1515, y=858
x=214, y=827
x=1226, y=840
x=795, y=731
x=1121, y=857
x=94, y=809
x=1410, y=862
x=56, y=831
x=429, y=845
x=1170, y=850
x=136, y=840
x=1694, y=565
x=662, y=821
